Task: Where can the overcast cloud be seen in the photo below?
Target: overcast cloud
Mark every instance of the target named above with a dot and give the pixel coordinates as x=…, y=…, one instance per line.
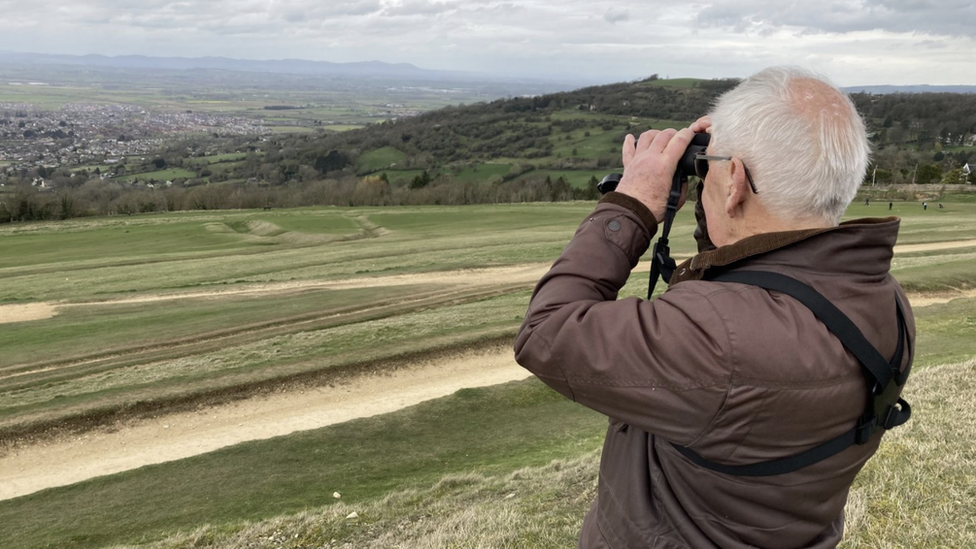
x=852, y=41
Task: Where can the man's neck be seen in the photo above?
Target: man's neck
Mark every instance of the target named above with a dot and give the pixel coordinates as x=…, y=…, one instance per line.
x=759, y=221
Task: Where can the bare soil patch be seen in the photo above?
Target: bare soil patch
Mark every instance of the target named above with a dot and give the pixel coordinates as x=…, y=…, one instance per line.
x=28, y=469
x=26, y=312
x=926, y=299
x=528, y=274
x=933, y=246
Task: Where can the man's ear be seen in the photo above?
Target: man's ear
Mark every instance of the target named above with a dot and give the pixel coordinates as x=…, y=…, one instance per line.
x=738, y=188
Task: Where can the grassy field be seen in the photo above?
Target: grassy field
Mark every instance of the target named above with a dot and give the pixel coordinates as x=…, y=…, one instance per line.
x=380, y=159
x=158, y=313
x=159, y=175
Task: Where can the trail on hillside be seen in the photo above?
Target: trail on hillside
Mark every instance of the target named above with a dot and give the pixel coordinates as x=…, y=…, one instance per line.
x=934, y=246
x=524, y=273
x=27, y=469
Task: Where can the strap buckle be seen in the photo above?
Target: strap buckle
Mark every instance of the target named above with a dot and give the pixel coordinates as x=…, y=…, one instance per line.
x=865, y=428
x=896, y=414
x=665, y=263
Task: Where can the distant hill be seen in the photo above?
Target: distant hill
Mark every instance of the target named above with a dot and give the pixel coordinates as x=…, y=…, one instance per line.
x=574, y=135
x=921, y=88
x=369, y=69
x=577, y=135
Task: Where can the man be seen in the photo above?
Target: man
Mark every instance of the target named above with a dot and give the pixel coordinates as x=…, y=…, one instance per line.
x=729, y=372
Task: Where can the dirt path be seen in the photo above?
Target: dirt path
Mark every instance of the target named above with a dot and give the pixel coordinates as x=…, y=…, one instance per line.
x=933, y=246
x=25, y=470
x=924, y=300
x=527, y=273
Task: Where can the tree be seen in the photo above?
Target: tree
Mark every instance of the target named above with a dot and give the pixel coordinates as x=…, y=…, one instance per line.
x=332, y=161
x=420, y=181
x=954, y=176
x=929, y=173
x=590, y=192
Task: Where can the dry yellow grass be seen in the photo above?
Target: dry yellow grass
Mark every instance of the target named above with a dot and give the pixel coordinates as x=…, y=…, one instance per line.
x=920, y=489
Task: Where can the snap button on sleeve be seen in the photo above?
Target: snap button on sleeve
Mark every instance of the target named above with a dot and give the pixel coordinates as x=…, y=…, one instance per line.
x=613, y=225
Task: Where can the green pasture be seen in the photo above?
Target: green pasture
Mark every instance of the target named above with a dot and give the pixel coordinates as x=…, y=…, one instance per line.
x=672, y=83
x=291, y=129
x=159, y=175
x=217, y=158
x=576, y=178
x=133, y=338
x=343, y=127
x=484, y=171
x=598, y=143
x=380, y=159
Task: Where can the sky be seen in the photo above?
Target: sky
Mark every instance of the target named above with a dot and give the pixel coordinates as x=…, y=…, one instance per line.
x=853, y=42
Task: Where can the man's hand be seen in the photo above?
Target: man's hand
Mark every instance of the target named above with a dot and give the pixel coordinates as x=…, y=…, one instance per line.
x=649, y=167
x=702, y=125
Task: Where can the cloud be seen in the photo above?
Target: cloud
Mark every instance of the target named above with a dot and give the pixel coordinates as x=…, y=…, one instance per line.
x=861, y=41
x=943, y=18
x=410, y=8
x=616, y=15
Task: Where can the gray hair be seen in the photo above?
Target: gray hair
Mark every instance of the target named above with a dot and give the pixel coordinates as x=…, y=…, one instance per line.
x=801, y=138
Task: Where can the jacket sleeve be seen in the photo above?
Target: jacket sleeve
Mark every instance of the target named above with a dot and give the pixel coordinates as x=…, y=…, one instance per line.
x=663, y=365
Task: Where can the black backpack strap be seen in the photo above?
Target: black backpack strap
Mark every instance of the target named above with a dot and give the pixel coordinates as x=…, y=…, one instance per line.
x=884, y=409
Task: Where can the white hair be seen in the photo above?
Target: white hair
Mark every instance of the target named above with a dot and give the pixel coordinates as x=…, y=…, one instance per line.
x=800, y=137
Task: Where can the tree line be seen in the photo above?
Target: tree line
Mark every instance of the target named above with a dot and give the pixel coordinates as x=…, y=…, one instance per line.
x=106, y=197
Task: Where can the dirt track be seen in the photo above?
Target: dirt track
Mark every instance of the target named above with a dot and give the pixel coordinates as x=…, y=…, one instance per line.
x=526, y=273
x=57, y=463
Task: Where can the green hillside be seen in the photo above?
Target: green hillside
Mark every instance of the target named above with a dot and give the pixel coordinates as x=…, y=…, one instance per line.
x=523, y=149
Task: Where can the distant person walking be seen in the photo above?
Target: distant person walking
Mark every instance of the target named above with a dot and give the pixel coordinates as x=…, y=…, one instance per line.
x=867, y=201
x=889, y=205
x=925, y=205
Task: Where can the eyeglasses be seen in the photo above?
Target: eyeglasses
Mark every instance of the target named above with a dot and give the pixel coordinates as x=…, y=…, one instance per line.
x=701, y=168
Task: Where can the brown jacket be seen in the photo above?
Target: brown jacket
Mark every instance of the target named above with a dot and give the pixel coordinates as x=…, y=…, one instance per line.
x=734, y=372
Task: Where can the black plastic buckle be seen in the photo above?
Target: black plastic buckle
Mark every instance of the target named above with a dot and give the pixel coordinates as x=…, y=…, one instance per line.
x=891, y=417
x=666, y=265
x=864, y=429
x=673, y=198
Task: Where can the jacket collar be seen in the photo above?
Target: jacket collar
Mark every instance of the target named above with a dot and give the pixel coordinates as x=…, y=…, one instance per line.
x=696, y=267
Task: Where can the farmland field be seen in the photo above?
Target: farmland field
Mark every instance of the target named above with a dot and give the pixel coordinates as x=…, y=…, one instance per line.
x=153, y=322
